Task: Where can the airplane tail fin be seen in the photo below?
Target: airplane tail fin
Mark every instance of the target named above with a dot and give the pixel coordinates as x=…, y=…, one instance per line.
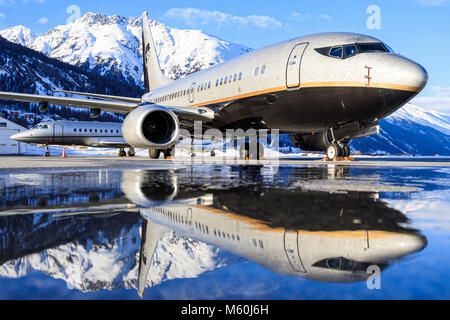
x=151, y=234
x=153, y=76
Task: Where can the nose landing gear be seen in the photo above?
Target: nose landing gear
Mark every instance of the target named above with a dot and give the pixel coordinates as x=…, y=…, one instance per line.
x=338, y=151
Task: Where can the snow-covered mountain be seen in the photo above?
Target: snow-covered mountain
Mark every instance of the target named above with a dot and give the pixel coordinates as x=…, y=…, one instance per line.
x=411, y=130
x=111, y=46
x=19, y=34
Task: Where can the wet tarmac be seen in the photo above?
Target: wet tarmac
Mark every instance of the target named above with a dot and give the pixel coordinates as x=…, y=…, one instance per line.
x=140, y=229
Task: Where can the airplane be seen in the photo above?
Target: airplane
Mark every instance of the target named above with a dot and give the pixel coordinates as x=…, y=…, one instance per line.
x=323, y=90
x=81, y=133
x=335, y=248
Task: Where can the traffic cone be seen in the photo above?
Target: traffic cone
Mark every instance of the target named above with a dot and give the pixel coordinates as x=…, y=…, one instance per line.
x=64, y=153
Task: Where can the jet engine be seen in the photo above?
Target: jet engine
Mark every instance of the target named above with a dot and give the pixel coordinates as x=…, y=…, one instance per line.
x=151, y=126
x=344, y=133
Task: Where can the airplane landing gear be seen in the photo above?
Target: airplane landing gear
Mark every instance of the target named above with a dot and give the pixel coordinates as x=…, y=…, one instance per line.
x=169, y=153
x=47, y=152
x=336, y=150
x=154, y=153
x=248, y=153
x=122, y=152
x=131, y=152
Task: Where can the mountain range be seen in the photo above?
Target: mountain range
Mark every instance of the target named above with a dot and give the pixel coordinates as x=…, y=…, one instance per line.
x=110, y=46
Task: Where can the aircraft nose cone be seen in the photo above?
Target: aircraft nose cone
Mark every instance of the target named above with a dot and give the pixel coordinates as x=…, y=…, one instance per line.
x=408, y=244
x=18, y=137
x=416, y=76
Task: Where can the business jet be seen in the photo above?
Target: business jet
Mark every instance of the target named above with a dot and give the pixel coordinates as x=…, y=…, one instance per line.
x=323, y=89
x=81, y=133
x=352, y=234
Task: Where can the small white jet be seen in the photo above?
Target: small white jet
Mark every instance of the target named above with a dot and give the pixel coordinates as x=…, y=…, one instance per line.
x=81, y=133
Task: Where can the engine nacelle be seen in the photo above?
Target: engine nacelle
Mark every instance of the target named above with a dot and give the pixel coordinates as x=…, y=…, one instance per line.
x=151, y=126
x=310, y=141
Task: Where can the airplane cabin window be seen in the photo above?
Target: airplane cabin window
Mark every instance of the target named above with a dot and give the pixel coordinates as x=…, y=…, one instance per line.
x=263, y=69
x=75, y=130
x=256, y=71
x=371, y=47
x=230, y=78
x=217, y=82
x=209, y=84
x=225, y=80
x=235, y=77
x=336, y=52
x=240, y=76
x=221, y=81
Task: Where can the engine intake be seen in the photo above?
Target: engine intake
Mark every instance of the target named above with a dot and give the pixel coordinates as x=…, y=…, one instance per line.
x=151, y=126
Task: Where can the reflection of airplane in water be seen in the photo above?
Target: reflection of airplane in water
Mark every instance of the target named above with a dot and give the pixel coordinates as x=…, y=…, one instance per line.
x=315, y=235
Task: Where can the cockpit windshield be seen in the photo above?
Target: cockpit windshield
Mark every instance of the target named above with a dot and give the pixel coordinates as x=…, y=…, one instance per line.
x=40, y=126
x=352, y=49
x=371, y=47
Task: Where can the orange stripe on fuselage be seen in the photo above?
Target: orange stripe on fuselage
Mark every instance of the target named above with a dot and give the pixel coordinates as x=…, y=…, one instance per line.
x=313, y=85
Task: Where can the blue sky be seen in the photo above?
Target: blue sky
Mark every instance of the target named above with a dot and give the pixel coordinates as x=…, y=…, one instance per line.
x=418, y=29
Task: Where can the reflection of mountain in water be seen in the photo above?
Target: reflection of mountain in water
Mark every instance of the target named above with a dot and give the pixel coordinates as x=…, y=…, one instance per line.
x=101, y=242
x=96, y=253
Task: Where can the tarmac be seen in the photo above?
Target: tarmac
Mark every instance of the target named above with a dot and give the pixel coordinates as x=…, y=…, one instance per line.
x=39, y=163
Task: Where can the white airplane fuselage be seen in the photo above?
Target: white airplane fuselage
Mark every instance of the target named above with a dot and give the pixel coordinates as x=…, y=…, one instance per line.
x=296, y=86
x=84, y=133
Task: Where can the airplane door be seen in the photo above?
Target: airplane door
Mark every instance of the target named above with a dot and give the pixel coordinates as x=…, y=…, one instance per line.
x=191, y=93
x=291, y=249
x=293, y=66
x=58, y=133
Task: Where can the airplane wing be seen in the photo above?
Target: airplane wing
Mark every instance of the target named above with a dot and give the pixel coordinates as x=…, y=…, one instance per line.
x=102, y=96
x=106, y=105
x=186, y=113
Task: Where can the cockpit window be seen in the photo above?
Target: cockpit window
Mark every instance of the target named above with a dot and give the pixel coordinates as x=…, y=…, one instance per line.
x=336, y=52
x=44, y=126
x=371, y=47
x=350, y=50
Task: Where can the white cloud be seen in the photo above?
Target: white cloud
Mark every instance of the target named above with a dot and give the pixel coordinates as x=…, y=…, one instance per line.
x=440, y=101
x=43, y=20
x=2, y=16
x=301, y=17
x=198, y=17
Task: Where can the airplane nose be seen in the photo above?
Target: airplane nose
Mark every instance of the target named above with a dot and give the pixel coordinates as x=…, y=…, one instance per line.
x=18, y=137
x=416, y=76
x=407, y=244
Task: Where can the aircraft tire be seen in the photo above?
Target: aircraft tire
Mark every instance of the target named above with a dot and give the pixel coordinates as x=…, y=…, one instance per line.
x=333, y=151
x=346, y=150
x=154, y=153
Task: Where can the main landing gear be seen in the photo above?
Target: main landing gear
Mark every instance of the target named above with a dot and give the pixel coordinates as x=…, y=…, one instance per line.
x=246, y=152
x=155, y=153
x=47, y=152
x=337, y=150
x=131, y=152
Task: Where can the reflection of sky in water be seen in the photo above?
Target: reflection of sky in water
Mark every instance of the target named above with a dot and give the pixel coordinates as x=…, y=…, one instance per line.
x=421, y=275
